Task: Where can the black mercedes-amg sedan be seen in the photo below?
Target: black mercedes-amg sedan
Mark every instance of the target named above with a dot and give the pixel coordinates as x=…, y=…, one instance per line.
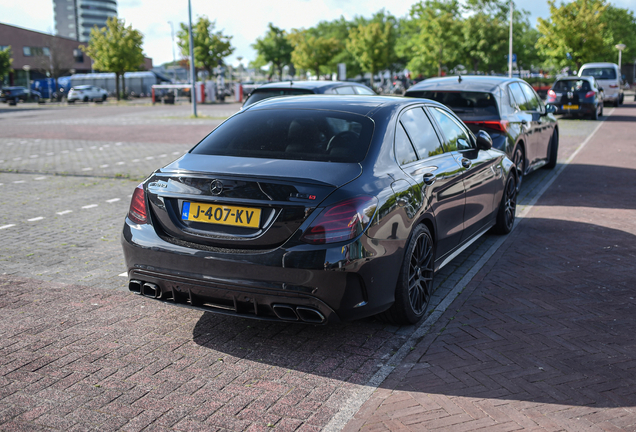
x=318, y=209
x=509, y=109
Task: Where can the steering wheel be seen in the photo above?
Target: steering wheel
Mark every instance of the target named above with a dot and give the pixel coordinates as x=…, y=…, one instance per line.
x=345, y=136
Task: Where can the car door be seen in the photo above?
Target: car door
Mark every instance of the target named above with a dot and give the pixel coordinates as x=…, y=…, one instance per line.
x=435, y=172
x=524, y=116
x=543, y=127
x=478, y=171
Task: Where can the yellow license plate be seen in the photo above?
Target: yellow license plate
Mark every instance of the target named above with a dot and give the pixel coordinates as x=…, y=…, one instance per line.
x=221, y=214
x=570, y=107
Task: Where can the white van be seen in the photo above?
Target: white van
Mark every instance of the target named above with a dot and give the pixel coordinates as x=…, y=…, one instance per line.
x=608, y=77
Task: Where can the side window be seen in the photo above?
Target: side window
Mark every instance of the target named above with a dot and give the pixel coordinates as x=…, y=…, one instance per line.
x=456, y=136
x=404, y=152
x=421, y=132
x=517, y=93
x=347, y=90
x=363, y=91
x=531, y=98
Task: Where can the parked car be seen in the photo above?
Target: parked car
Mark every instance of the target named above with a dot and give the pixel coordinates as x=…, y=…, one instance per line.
x=609, y=78
x=16, y=93
x=291, y=88
x=507, y=108
x=86, y=93
x=577, y=96
x=317, y=209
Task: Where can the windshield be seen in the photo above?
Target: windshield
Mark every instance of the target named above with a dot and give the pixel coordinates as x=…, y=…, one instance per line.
x=604, y=73
x=260, y=94
x=310, y=135
x=462, y=102
x=572, y=86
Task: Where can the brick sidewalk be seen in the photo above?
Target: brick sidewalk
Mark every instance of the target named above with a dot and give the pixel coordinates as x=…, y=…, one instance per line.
x=542, y=339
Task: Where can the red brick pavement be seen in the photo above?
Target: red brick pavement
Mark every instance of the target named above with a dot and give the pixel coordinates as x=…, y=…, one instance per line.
x=542, y=339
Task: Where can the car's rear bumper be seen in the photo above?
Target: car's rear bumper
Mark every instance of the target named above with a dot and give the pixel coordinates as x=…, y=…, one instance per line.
x=312, y=285
x=583, y=109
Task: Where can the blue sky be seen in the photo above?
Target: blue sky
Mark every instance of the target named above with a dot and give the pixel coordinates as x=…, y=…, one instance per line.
x=245, y=20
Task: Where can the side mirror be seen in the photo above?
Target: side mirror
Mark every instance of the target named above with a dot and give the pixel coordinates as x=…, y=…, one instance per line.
x=550, y=109
x=484, y=142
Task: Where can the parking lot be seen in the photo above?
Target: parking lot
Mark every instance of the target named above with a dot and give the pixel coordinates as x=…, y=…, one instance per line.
x=79, y=352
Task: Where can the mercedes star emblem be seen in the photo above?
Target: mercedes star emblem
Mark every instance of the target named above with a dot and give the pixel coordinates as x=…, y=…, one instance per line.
x=216, y=187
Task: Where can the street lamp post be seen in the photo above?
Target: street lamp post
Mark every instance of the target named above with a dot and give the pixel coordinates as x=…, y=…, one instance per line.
x=193, y=77
x=27, y=68
x=510, y=43
x=174, y=59
x=620, y=48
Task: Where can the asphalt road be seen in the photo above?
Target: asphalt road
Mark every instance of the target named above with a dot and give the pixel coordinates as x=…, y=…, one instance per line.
x=79, y=352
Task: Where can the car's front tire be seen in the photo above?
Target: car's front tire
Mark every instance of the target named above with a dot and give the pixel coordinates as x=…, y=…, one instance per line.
x=553, y=150
x=415, y=281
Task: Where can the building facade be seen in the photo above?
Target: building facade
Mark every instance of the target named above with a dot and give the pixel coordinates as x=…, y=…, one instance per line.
x=74, y=19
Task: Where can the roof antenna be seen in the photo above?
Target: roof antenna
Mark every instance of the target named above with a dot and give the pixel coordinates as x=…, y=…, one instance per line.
x=460, y=78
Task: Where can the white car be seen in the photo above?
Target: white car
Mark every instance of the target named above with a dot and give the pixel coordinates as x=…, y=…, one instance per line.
x=87, y=93
x=608, y=77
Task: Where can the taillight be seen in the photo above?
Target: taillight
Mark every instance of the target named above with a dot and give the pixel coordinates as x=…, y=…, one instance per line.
x=342, y=221
x=498, y=125
x=590, y=94
x=137, y=212
x=551, y=94
x=613, y=86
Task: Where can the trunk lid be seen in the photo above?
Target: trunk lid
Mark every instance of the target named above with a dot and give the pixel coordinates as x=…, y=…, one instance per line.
x=211, y=202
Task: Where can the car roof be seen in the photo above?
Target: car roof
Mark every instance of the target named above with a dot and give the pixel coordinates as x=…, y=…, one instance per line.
x=356, y=104
x=576, y=78
x=309, y=85
x=83, y=86
x=468, y=83
x=600, y=64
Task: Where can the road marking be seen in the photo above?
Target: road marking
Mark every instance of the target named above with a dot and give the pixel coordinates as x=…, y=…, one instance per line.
x=10, y=144
x=64, y=151
x=113, y=200
x=150, y=158
x=124, y=274
x=121, y=163
x=90, y=206
x=163, y=155
x=176, y=153
x=79, y=149
x=7, y=226
x=135, y=160
x=87, y=169
x=93, y=147
x=19, y=181
x=106, y=145
x=1, y=161
x=65, y=212
x=104, y=166
x=35, y=219
x=50, y=154
x=33, y=156
x=17, y=159
x=118, y=144
x=39, y=178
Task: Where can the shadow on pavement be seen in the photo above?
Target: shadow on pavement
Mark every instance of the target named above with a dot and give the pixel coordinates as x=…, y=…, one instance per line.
x=550, y=323
x=597, y=186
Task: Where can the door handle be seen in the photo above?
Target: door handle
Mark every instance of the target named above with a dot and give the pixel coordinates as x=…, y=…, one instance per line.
x=429, y=179
x=466, y=163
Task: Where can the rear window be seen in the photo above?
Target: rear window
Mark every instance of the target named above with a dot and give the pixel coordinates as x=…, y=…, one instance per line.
x=311, y=135
x=479, y=103
x=571, y=86
x=260, y=94
x=603, y=73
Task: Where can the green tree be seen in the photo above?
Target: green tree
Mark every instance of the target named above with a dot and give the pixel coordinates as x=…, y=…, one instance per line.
x=620, y=27
x=312, y=52
x=373, y=46
x=574, y=30
x=337, y=30
x=274, y=48
x=115, y=48
x=432, y=37
x=210, y=47
x=5, y=62
x=484, y=42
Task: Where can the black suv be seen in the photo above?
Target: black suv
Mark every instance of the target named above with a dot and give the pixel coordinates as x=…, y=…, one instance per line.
x=295, y=88
x=15, y=94
x=507, y=108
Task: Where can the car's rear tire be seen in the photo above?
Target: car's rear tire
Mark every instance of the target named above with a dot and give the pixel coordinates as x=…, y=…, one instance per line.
x=507, y=207
x=601, y=113
x=104, y=97
x=85, y=98
x=415, y=281
x=553, y=150
x=519, y=159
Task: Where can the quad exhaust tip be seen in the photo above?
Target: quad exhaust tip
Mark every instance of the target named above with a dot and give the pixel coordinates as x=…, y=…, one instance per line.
x=304, y=314
x=144, y=288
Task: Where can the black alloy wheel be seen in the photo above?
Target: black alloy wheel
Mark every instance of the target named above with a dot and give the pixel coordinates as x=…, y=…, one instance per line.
x=595, y=114
x=519, y=160
x=553, y=150
x=507, y=208
x=415, y=282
